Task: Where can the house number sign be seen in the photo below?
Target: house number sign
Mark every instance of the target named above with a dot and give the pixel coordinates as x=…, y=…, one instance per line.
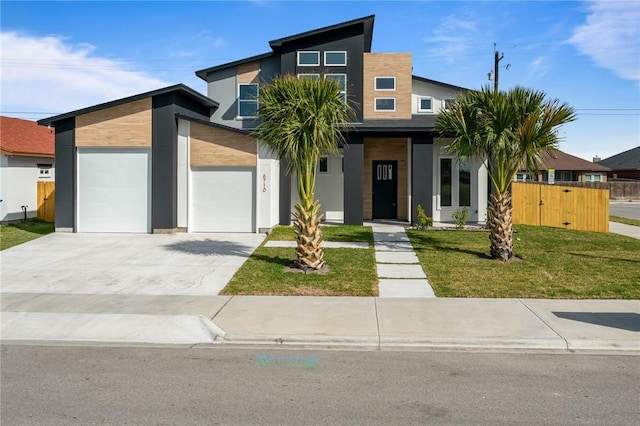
x=264, y=183
x=384, y=172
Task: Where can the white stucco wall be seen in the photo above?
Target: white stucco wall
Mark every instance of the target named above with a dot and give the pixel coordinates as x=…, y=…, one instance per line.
x=18, y=185
x=437, y=92
x=478, y=207
x=268, y=188
x=329, y=191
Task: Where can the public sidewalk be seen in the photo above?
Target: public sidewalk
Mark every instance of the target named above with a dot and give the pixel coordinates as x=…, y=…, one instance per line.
x=602, y=326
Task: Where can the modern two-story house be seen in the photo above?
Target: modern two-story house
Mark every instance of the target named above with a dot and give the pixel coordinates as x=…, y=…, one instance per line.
x=174, y=159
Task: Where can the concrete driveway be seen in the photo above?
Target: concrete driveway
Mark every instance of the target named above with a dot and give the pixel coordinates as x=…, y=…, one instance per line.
x=125, y=264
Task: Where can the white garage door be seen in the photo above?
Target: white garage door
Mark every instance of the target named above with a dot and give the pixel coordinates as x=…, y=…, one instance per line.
x=222, y=200
x=114, y=190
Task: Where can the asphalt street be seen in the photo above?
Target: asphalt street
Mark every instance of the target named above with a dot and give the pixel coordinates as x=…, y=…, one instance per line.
x=91, y=385
x=625, y=209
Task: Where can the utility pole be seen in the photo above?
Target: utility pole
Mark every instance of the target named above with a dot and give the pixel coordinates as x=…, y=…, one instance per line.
x=496, y=66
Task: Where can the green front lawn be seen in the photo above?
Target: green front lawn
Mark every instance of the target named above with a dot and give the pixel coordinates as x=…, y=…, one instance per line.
x=625, y=220
x=352, y=273
x=554, y=263
x=18, y=233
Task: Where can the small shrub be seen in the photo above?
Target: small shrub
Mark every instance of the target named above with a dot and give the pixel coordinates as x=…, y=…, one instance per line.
x=424, y=221
x=460, y=217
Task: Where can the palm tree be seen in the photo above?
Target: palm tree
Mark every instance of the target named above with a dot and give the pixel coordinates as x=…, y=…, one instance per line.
x=510, y=130
x=301, y=119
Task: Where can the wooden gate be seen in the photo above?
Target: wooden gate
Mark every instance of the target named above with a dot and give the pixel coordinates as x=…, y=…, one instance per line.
x=47, y=201
x=583, y=209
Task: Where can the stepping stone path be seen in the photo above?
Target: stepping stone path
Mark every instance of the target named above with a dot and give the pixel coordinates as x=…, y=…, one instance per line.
x=399, y=271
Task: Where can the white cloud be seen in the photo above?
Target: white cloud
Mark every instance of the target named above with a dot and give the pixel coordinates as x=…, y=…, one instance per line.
x=452, y=38
x=538, y=67
x=48, y=74
x=611, y=37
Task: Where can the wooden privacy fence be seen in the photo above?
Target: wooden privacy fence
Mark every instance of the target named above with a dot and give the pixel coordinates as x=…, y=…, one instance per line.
x=47, y=201
x=582, y=209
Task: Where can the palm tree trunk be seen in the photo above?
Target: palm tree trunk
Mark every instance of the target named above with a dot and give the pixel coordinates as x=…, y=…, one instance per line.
x=309, y=252
x=500, y=226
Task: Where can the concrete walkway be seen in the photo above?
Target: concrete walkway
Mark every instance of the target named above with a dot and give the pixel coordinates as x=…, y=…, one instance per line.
x=602, y=326
x=622, y=229
x=399, y=271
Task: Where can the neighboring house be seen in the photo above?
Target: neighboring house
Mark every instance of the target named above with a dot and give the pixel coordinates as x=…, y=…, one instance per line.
x=624, y=166
x=27, y=157
x=567, y=168
x=174, y=159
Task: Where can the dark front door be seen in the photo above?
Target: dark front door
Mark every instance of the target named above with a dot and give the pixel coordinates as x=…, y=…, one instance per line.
x=385, y=190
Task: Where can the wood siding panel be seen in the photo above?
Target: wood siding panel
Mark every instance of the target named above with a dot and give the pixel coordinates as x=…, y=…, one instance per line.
x=212, y=146
x=47, y=201
x=127, y=125
x=385, y=149
x=396, y=65
x=248, y=73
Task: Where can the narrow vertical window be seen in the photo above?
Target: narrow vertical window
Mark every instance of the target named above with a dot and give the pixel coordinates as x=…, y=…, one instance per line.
x=445, y=181
x=464, y=191
x=247, y=100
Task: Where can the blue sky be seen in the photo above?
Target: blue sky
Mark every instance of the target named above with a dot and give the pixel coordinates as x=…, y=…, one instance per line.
x=61, y=56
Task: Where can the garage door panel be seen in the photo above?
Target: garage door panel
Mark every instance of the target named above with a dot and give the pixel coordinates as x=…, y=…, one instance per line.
x=113, y=190
x=222, y=200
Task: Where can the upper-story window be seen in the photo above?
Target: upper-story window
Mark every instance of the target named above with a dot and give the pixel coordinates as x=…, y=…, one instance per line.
x=448, y=102
x=335, y=58
x=385, y=104
x=308, y=58
x=247, y=100
x=309, y=76
x=425, y=104
x=385, y=83
x=341, y=79
x=323, y=164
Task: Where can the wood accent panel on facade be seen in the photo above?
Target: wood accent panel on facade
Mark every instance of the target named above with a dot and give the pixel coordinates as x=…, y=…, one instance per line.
x=127, y=125
x=46, y=201
x=396, y=65
x=557, y=206
x=248, y=73
x=385, y=149
x=212, y=146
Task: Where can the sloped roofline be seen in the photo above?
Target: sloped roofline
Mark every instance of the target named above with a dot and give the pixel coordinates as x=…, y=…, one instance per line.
x=177, y=88
x=626, y=160
x=439, y=83
x=276, y=45
x=366, y=21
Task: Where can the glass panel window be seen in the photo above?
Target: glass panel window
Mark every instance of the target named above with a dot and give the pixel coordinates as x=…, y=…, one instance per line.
x=464, y=185
x=597, y=177
x=385, y=104
x=335, y=58
x=425, y=104
x=323, y=165
x=308, y=58
x=445, y=181
x=341, y=79
x=448, y=102
x=385, y=83
x=309, y=76
x=247, y=100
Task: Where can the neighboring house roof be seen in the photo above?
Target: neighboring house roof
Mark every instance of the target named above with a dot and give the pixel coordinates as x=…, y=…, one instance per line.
x=627, y=160
x=438, y=83
x=279, y=44
x=559, y=160
x=25, y=137
x=178, y=88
